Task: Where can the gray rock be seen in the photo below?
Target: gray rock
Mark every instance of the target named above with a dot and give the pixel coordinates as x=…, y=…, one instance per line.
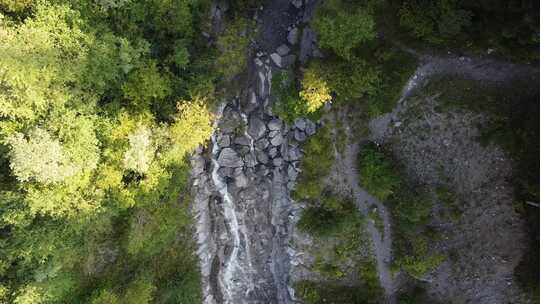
x=275, y=124
x=292, y=36
x=294, y=154
x=276, y=140
x=273, y=152
x=262, y=144
x=277, y=161
x=224, y=141
x=250, y=160
x=287, y=61
x=310, y=128
x=229, y=158
x=197, y=166
x=292, y=174
x=225, y=172
x=276, y=59
x=256, y=127
x=262, y=157
x=229, y=121
x=273, y=134
x=240, y=180
x=307, y=44
x=283, y=50
x=297, y=3
x=242, y=141
x=300, y=123
x=290, y=185
x=299, y=135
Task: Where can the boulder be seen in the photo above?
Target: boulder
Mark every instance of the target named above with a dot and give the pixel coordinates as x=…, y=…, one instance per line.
x=262, y=144
x=300, y=123
x=242, y=141
x=283, y=50
x=256, y=127
x=224, y=141
x=276, y=140
x=262, y=157
x=310, y=128
x=276, y=59
x=292, y=36
x=250, y=160
x=229, y=158
x=275, y=124
x=299, y=135
x=273, y=152
x=294, y=154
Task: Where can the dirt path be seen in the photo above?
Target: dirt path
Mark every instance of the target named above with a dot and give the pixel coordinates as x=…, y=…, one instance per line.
x=381, y=240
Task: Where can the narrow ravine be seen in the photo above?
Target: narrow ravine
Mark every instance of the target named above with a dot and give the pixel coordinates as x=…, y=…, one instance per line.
x=241, y=183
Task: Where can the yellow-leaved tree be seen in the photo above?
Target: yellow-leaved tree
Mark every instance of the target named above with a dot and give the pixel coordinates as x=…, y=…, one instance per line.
x=192, y=127
x=315, y=91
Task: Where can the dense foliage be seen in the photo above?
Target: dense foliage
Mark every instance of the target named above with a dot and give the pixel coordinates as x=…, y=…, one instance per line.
x=510, y=28
x=100, y=103
x=410, y=206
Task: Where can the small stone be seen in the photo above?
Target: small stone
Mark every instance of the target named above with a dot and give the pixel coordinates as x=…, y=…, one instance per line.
x=262, y=144
x=224, y=141
x=292, y=36
x=262, y=157
x=290, y=185
x=297, y=3
x=242, y=141
x=294, y=154
x=310, y=128
x=277, y=161
x=250, y=160
x=292, y=174
x=229, y=158
x=299, y=135
x=258, y=62
x=300, y=124
x=225, y=172
x=283, y=50
x=240, y=180
x=273, y=152
x=276, y=59
x=275, y=124
x=273, y=134
x=276, y=140
x=256, y=127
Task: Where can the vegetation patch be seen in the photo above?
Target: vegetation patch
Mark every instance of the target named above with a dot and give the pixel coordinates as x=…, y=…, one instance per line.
x=410, y=207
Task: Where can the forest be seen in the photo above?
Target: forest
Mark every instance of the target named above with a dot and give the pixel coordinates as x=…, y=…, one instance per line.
x=102, y=103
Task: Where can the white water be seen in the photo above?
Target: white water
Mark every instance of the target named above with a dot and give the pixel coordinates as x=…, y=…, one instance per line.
x=232, y=265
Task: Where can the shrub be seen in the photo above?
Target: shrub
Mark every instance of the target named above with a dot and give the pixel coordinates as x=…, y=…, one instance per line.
x=316, y=164
x=378, y=174
x=287, y=104
x=342, y=29
x=434, y=21
x=233, y=44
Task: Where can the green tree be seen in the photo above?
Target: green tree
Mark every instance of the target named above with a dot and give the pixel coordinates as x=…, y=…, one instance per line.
x=342, y=27
x=40, y=158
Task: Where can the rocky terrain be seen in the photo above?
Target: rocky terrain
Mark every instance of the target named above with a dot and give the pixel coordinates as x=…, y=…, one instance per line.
x=249, y=249
x=242, y=182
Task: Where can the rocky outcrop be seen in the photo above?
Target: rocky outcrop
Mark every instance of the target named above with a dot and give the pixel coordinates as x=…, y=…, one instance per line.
x=241, y=182
x=242, y=202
